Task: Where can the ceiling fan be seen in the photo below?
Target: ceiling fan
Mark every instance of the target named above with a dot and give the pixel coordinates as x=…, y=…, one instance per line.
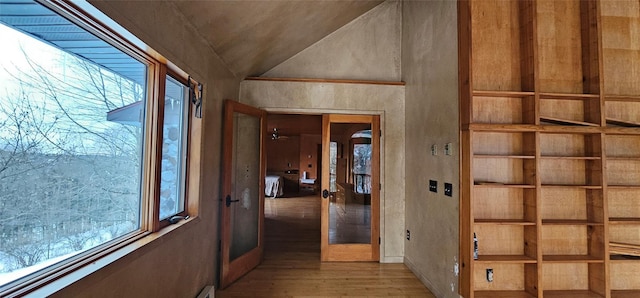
x=275, y=135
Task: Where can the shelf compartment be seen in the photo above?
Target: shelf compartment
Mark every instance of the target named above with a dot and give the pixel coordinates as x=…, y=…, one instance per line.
x=571, y=259
x=570, y=172
x=504, y=204
x=622, y=146
x=624, y=249
x=503, y=294
x=505, y=259
x=623, y=203
x=624, y=276
x=624, y=233
x=622, y=113
x=567, y=47
x=580, y=279
x=621, y=51
x=624, y=293
x=571, y=109
x=501, y=47
x=506, y=240
x=503, y=110
x=623, y=172
x=572, y=294
x=507, y=278
x=571, y=206
x=570, y=146
x=504, y=170
x=573, y=239
x=503, y=144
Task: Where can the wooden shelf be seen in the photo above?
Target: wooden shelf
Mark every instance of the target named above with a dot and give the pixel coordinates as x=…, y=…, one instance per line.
x=624, y=249
x=502, y=185
x=624, y=220
x=504, y=156
x=623, y=187
x=573, y=222
x=505, y=259
x=503, y=294
x=568, y=96
x=571, y=259
x=571, y=186
x=559, y=121
x=571, y=294
x=553, y=100
x=519, y=222
x=625, y=293
x=622, y=122
x=483, y=93
x=572, y=157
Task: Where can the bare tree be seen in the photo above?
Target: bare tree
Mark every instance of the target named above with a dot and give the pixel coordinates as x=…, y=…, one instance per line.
x=69, y=179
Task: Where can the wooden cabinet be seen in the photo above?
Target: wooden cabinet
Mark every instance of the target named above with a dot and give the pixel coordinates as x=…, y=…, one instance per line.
x=550, y=140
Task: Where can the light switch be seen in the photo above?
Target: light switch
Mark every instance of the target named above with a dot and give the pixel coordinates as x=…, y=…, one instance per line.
x=448, y=149
x=433, y=186
x=448, y=189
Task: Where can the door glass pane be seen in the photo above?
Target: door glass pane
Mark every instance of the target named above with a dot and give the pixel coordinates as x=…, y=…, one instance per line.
x=350, y=205
x=245, y=185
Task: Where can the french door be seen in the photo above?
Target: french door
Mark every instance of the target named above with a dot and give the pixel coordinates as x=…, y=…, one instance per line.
x=244, y=167
x=350, y=188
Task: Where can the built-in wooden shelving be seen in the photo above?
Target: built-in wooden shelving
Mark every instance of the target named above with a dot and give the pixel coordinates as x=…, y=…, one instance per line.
x=550, y=134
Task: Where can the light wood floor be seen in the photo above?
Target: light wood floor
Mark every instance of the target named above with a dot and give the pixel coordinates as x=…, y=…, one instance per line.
x=292, y=266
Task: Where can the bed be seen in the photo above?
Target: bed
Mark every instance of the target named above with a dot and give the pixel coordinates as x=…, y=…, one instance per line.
x=273, y=185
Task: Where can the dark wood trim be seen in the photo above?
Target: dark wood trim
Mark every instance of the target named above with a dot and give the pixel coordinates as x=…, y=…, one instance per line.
x=337, y=81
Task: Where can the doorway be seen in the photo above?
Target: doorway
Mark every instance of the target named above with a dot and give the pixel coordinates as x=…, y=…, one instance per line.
x=294, y=153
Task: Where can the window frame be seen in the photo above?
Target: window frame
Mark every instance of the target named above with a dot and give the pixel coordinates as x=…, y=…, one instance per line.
x=158, y=224
x=151, y=227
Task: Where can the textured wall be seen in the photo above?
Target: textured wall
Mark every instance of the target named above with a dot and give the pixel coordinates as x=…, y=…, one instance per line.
x=430, y=69
x=368, y=48
x=181, y=263
x=388, y=101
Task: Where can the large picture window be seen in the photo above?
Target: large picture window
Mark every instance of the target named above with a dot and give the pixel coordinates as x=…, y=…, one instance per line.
x=76, y=152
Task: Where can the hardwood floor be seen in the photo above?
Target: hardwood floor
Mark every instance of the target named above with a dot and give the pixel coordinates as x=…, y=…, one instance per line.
x=292, y=266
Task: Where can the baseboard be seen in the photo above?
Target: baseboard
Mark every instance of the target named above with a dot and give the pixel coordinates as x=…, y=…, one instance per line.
x=391, y=260
x=422, y=278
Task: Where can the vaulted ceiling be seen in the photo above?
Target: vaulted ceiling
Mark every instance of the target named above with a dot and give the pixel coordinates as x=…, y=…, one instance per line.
x=252, y=37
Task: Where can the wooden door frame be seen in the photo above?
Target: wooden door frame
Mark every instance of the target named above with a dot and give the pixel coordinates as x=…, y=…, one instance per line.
x=380, y=114
x=352, y=252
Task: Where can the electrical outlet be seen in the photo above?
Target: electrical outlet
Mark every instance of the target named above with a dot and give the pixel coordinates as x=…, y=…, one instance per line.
x=408, y=235
x=433, y=186
x=434, y=149
x=490, y=274
x=448, y=189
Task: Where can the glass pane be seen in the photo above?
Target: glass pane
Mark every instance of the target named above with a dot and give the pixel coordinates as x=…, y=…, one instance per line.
x=350, y=205
x=245, y=185
x=173, y=151
x=333, y=156
x=71, y=141
x=362, y=168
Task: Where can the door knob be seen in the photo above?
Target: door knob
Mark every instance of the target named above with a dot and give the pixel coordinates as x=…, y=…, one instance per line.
x=228, y=201
x=325, y=193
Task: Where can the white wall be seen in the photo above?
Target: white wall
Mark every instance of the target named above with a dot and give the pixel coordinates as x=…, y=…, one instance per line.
x=385, y=100
x=368, y=48
x=430, y=70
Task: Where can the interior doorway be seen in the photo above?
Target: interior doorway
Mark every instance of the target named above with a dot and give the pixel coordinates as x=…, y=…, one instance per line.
x=295, y=164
